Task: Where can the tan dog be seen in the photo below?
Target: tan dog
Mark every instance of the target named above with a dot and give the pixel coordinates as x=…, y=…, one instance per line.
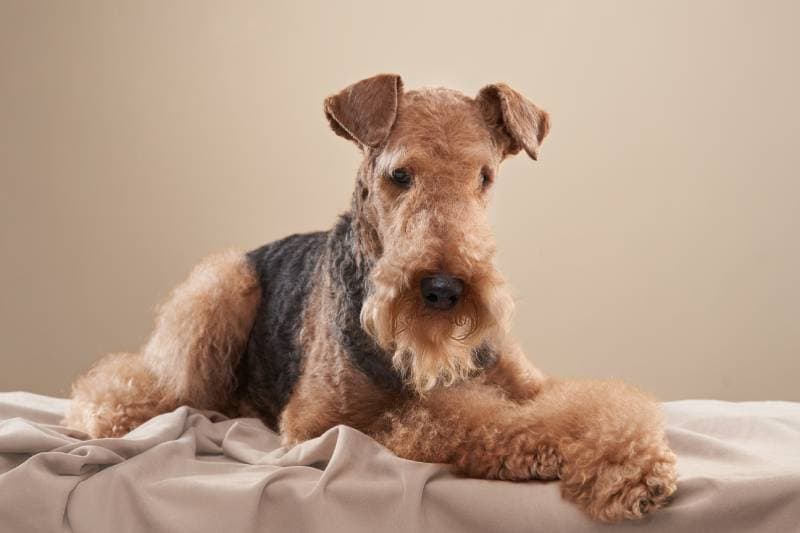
x=394, y=322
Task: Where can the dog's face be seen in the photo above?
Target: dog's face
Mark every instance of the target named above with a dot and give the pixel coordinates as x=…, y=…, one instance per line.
x=430, y=159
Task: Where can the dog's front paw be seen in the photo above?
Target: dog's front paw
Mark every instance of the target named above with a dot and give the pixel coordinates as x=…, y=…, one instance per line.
x=610, y=489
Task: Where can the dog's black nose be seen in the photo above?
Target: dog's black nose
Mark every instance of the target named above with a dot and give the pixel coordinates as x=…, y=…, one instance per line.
x=441, y=291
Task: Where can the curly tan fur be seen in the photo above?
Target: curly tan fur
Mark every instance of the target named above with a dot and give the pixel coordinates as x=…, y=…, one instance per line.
x=604, y=440
x=200, y=333
x=116, y=395
x=201, y=330
x=495, y=418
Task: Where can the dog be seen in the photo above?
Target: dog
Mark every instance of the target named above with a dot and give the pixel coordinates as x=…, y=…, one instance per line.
x=395, y=321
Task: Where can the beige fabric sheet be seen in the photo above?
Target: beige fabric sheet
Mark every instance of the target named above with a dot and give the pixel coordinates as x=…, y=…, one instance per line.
x=739, y=469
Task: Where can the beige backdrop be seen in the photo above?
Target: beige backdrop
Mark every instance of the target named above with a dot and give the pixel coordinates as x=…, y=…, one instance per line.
x=655, y=241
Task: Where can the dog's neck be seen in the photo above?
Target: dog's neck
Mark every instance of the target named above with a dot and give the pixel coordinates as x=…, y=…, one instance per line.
x=349, y=261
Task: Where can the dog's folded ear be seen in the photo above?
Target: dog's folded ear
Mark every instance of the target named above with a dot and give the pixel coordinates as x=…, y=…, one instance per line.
x=514, y=120
x=365, y=111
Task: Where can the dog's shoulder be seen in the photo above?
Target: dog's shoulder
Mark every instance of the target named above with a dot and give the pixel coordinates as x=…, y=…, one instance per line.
x=295, y=256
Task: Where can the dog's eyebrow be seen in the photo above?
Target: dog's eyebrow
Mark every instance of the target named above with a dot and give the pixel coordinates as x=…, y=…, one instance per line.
x=389, y=159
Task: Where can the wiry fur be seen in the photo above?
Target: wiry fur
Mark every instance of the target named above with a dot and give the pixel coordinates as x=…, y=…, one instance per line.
x=602, y=439
x=190, y=359
x=440, y=226
x=201, y=330
x=116, y=395
x=331, y=328
x=429, y=347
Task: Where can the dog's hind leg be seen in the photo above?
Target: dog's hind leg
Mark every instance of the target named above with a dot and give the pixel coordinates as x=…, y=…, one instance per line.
x=201, y=331
x=114, y=396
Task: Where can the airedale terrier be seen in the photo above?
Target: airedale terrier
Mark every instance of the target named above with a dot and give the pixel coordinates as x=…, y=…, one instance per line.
x=395, y=321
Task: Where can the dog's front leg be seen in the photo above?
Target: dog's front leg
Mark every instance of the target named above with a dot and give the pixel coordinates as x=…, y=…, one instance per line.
x=476, y=428
x=604, y=440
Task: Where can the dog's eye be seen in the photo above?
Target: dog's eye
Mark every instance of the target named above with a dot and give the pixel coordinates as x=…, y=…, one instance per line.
x=401, y=177
x=485, y=179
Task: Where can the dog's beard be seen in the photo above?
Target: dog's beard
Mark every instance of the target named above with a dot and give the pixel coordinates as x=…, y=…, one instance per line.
x=432, y=347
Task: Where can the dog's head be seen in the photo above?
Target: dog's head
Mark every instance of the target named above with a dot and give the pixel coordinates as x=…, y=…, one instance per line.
x=431, y=156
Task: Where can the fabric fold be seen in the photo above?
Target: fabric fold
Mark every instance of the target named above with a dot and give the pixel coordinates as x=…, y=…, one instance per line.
x=191, y=470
